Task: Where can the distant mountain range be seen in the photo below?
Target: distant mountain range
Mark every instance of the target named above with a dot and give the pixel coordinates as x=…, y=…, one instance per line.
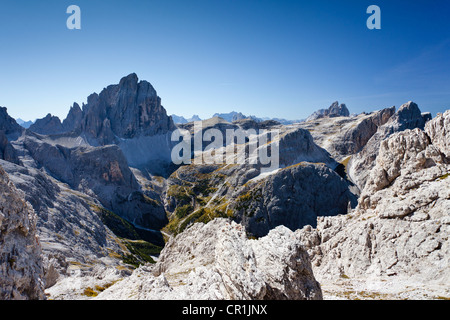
x=231, y=117
x=183, y=120
x=23, y=123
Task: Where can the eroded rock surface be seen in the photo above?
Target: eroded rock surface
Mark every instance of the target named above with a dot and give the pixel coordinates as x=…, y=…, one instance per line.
x=21, y=270
x=400, y=227
x=217, y=261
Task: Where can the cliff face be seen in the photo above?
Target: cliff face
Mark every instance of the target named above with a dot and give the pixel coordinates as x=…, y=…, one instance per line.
x=8, y=125
x=408, y=116
x=126, y=110
x=47, y=125
x=292, y=197
x=21, y=271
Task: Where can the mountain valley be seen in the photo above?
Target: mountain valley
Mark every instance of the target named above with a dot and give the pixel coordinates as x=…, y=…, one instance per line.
x=92, y=207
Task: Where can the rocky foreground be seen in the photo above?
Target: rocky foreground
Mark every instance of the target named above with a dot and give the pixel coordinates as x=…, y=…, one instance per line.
x=91, y=208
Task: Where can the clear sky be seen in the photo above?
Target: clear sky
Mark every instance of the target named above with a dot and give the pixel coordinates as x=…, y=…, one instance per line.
x=265, y=58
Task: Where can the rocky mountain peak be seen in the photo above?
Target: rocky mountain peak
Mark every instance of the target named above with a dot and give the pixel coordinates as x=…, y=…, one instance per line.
x=338, y=110
x=7, y=124
x=130, y=80
x=335, y=110
x=73, y=119
x=409, y=115
x=48, y=125
x=126, y=110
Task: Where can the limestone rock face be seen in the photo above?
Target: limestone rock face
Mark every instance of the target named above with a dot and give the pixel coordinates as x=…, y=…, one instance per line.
x=439, y=130
x=7, y=151
x=126, y=110
x=100, y=172
x=297, y=145
x=354, y=139
x=217, y=261
x=48, y=125
x=401, y=224
x=21, y=271
x=73, y=119
x=344, y=136
x=68, y=223
x=407, y=117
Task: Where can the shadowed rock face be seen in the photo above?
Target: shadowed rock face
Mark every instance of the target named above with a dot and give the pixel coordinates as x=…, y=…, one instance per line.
x=101, y=172
x=73, y=119
x=21, y=269
x=293, y=197
x=9, y=129
x=8, y=125
x=48, y=125
x=7, y=151
x=125, y=111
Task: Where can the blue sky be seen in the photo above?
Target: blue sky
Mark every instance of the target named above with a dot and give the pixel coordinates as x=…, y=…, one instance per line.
x=265, y=58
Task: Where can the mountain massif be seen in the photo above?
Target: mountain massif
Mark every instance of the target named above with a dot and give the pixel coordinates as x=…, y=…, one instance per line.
x=93, y=207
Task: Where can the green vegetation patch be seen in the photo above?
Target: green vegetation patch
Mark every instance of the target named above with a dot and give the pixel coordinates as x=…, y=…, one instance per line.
x=141, y=252
x=244, y=201
x=445, y=176
x=183, y=211
x=140, y=249
x=119, y=226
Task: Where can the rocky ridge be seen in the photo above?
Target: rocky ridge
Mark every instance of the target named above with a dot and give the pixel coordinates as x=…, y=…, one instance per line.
x=217, y=261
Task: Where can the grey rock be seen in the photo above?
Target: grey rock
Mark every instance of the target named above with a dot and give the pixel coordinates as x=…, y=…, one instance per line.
x=102, y=173
x=124, y=111
x=217, y=261
x=293, y=197
x=8, y=125
x=21, y=271
x=408, y=116
x=401, y=224
x=439, y=130
x=344, y=136
x=68, y=223
x=335, y=110
x=7, y=151
x=73, y=119
x=47, y=125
